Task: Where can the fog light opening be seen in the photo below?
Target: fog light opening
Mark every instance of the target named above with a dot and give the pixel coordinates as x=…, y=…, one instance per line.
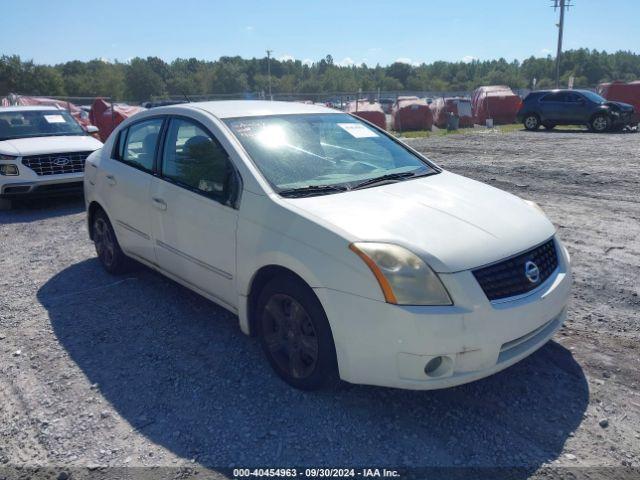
x=9, y=169
x=438, y=366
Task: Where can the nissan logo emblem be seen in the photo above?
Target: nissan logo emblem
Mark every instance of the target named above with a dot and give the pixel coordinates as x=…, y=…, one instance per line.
x=61, y=161
x=532, y=272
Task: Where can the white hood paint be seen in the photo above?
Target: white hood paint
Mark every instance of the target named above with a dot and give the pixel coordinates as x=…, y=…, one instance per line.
x=43, y=145
x=453, y=222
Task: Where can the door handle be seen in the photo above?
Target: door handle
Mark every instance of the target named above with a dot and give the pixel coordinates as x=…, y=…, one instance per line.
x=111, y=180
x=159, y=203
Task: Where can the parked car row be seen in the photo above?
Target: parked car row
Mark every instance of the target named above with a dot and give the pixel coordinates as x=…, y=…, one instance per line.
x=614, y=107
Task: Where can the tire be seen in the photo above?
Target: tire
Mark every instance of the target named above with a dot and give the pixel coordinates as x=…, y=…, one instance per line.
x=600, y=123
x=549, y=126
x=295, y=334
x=5, y=204
x=108, y=249
x=531, y=122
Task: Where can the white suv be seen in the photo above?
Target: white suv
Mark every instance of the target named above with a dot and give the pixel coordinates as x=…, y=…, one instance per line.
x=349, y=254
x=42, y=152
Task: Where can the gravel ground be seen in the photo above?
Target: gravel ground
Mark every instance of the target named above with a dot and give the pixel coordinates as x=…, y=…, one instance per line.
x=102, y=371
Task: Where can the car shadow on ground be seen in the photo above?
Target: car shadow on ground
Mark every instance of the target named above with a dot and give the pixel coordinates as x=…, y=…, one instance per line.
x=177, y=368
x=34, y=209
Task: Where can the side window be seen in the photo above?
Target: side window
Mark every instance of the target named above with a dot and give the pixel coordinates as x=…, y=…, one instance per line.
x=137, y=145
x=118, y=151
x=194, y=160
x=555, y=97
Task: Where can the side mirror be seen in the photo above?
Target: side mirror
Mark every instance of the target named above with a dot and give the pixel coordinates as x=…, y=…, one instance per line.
x=92, y=129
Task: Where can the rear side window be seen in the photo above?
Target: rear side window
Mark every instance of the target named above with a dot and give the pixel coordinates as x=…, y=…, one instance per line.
x=556, y=97
x=195, y=160
x=137, y=145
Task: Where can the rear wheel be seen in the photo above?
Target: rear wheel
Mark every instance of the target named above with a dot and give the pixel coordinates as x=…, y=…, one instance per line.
x=600, y=123
x=531, y=122
x=295, y=334
x=549, y=126
x=108, y=249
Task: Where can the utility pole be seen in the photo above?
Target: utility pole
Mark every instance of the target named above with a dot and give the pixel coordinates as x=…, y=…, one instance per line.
x=269, y=52
x=562, y=5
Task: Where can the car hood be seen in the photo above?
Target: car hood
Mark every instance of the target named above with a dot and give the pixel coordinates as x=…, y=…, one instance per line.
x=452, y=222
x=42, y=145
x=625, y=107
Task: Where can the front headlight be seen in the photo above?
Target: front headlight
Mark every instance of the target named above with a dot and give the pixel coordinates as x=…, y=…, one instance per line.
x=403, y=277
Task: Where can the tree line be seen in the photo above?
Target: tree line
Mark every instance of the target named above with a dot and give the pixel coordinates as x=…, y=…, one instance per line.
x=141, y=79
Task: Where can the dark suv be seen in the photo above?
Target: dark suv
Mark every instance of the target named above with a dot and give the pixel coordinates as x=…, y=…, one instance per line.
x=573, y=107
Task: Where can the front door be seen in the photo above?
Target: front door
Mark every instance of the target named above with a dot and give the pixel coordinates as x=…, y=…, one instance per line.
x=194, y=215
x=577, y=108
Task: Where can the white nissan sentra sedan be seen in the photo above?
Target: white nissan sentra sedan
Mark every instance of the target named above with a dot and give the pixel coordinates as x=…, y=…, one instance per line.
x=348, y=253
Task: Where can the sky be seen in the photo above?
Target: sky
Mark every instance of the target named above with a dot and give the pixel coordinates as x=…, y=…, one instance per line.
x=352, y=31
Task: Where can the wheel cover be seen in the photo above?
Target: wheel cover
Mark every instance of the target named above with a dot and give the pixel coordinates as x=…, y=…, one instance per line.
x=290, y=336
x=104, y=241
x=531, y=122
x=600, y=123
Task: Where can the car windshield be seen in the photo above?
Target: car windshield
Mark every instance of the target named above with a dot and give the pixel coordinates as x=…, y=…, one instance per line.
x=594, y=97
x=37, y=123
x=324, y=153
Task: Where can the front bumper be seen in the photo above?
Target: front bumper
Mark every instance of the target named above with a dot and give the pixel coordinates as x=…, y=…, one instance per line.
x=22, y=186
x=390, y=345
x=623, y=119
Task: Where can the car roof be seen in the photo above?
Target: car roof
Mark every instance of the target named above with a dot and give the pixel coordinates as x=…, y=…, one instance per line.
x=555, y=90
x=27, y=108
x=255, y=108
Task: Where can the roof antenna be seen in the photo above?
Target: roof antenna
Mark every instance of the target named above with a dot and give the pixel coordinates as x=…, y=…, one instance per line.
x=185, y=96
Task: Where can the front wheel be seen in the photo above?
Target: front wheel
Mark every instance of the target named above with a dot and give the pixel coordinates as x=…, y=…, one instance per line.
x=531, y=122
x=108, y=249
x=295, y=334
x=600, y=123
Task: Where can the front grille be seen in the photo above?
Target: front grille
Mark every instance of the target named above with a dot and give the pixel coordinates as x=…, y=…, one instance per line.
x=508, y=278
x=56, y=163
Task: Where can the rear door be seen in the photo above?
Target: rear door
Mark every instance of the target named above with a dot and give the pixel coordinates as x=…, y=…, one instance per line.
x=554, y=107
x=194, y=212
x=126, y=182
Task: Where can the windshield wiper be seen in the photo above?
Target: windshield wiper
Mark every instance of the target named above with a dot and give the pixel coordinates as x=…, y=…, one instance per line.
x=310, y=190
x=386, y=178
